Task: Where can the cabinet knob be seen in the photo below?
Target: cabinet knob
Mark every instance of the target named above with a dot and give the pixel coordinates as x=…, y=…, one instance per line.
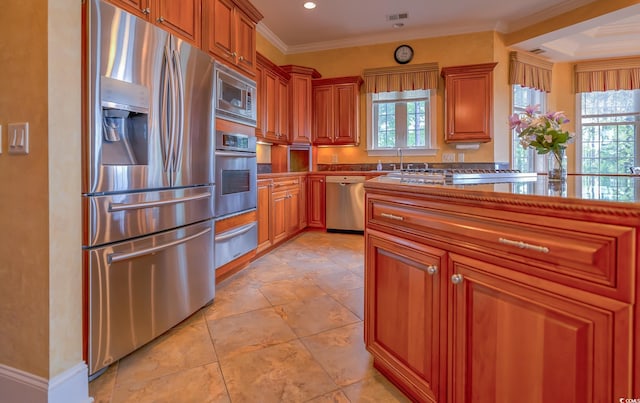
x=432, y=269
x=241, y=58
x=146, y=11
x=456, y=278
x=234, y=54
x=161, y=19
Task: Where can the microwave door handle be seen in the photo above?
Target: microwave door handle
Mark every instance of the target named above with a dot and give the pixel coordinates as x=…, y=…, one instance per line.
x=179, y=135
x=119, y=257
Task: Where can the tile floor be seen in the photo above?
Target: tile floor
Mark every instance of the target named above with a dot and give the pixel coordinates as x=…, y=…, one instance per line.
x=286, y=329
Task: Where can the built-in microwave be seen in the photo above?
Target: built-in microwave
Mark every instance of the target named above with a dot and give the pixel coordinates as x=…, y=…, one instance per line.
x=236, y=96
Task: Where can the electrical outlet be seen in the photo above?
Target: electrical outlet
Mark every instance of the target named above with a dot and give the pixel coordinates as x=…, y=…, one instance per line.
x=334, y=158
x=448, y=157
x=460, y=157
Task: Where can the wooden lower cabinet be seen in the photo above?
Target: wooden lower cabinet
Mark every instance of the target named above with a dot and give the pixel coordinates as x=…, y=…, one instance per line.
x=281, y=207
x=286, y=213
x=402, y=313
x=316, y=201
x=517, y=341
x=265, y=239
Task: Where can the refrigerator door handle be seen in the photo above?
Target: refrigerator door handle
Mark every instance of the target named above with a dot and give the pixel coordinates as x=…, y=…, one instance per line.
x=173, y=106
x=164, y=109
x=114, y=207
x=119, y=257
x=179, y=135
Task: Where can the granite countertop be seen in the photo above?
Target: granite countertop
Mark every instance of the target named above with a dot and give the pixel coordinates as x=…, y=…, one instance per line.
x=597, y=188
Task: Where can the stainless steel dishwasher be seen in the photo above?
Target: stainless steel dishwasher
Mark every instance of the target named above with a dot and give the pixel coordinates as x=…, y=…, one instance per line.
x=345, y=203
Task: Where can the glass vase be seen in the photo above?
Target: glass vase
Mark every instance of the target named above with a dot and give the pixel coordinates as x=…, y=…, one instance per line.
x=557, y=165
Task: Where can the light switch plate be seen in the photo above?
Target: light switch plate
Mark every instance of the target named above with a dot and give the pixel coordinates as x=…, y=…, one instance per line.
x=18, y=138
x=448, y=157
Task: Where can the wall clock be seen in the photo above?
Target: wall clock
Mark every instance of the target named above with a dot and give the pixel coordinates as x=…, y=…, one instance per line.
x=403, y=54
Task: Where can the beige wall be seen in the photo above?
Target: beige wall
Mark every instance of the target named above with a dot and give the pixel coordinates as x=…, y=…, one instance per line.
x=40, y=261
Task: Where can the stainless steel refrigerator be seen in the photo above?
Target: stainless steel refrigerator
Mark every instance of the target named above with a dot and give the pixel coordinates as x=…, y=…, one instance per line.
x=148, y=183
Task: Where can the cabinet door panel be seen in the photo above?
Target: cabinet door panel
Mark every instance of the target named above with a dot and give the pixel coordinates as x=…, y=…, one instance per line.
x=270, y=86
x=323, y=115
x=402, y=311
x=300, y=101
x=316, y=204
x=468, y=102
x=221, y=28
x=245, y=42
x=346, y=114
x=279, y=211
x=139, y=8
x=181, y=18
x=513, y=342
x=264, y=215
x=283, y=111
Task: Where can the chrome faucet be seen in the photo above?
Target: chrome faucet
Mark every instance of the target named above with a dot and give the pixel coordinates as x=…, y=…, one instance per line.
x=400, y=154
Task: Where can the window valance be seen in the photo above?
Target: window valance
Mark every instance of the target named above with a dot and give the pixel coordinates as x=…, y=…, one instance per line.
x=608, y=75
x=401, y=78
x=529, y=70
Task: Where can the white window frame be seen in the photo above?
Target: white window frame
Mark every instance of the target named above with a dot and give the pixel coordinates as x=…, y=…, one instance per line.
x=578, y=103
x=430, y=128
x=539, y=161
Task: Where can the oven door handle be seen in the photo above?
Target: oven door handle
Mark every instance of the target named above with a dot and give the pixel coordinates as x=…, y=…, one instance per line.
x=135, y=206
x=119, y=257
x=235, y=154
x=233, y=233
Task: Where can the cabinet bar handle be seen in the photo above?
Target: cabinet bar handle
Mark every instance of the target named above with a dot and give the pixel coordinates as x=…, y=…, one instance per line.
x=523, y=245
x=391, y=216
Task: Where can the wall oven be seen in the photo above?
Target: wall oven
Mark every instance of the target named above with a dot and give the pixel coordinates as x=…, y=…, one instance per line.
x=236, y=96
x=236, y=173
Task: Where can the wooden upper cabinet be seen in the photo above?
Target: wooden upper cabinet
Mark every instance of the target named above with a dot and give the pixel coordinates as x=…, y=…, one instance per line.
x=300, y=102
x=230, y=32
x=468, y=103
x=336, y=111
x=181, y=18
x=139, y=8
x=273, y=101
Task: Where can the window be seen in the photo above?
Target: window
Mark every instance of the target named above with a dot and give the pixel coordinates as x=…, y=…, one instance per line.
x=609, y=140
x=400, y=120
x=526, y=159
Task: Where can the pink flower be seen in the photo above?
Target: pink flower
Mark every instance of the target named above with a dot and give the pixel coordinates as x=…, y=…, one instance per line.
x=531, y=109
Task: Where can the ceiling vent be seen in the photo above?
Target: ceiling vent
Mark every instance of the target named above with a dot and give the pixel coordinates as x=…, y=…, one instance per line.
x=537, y=51
x=397, y=17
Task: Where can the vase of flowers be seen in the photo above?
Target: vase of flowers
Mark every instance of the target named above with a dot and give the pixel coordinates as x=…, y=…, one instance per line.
x=543, y=133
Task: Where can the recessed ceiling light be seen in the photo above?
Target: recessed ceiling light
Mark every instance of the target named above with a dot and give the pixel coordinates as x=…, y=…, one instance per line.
x=309, y=5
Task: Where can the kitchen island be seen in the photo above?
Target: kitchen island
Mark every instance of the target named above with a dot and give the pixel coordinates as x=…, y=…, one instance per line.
x=524, y=291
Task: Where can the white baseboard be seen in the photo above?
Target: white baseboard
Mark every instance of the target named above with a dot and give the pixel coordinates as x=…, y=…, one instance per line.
x=71, y=386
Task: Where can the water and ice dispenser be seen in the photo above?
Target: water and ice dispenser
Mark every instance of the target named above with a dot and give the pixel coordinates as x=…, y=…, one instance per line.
x=125, y=123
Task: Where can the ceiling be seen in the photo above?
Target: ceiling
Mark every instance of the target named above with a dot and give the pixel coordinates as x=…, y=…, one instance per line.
x=345, y=23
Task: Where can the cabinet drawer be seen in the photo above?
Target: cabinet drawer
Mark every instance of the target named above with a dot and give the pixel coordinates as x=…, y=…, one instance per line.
x=279, y=184
x=592, y=256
